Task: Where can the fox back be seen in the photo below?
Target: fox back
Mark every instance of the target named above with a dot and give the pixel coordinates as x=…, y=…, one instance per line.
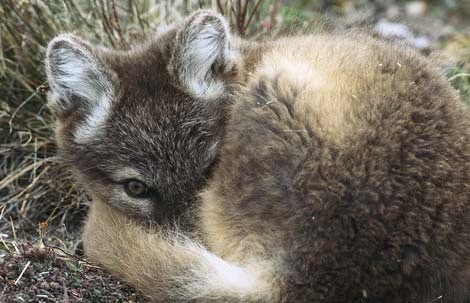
x=346, y=164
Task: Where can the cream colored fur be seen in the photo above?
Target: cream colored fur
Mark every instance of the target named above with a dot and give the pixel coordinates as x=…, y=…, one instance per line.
x=167, y=265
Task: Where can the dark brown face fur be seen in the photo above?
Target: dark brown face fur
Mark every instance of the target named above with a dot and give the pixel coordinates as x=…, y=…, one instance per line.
x=161, y=132
x=155, y=131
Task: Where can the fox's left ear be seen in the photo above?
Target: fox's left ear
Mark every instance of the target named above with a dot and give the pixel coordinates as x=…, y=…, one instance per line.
x=202, y=54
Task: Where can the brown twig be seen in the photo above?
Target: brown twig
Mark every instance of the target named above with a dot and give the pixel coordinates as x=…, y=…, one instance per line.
x=253, y=13
x=220, y=8
x=118, y=25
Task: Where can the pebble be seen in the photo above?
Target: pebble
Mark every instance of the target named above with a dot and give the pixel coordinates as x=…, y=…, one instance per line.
x=416, y=8
x=393, y=12
x=421, y=42
x=393, y=29
x=389, y=29
x=20, y=284
x=54, y=285
x=44, y=285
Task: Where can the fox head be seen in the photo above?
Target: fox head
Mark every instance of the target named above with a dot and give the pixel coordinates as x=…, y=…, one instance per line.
x=140, y=128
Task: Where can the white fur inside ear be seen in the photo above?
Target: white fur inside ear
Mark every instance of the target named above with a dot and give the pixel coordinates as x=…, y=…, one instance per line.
x=77, y=80
x=203, y=44
x=94, y=121
x=201, y=54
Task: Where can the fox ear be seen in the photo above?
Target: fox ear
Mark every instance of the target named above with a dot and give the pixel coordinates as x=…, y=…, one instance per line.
x=202, y=54
x=76, y=76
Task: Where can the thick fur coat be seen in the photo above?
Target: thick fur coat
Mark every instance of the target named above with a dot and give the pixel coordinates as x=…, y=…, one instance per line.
x=324, y=168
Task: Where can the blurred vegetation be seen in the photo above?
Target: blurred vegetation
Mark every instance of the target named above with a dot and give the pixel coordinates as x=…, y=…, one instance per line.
x=459, y=74
x=34, y=187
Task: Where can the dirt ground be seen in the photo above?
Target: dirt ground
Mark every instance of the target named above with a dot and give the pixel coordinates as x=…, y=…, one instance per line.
x=42, y=208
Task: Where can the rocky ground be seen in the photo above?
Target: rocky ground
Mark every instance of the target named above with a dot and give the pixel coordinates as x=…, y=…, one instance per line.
x=32, y=274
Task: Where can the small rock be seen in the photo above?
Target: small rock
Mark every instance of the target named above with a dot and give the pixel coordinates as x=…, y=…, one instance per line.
x=20, y=284
x=421, y=42
x=393, y=29
x=54, y=285
x=44, y=285
x=393, y=12
x=75, y=293
x=416, y=8
x=44, y=274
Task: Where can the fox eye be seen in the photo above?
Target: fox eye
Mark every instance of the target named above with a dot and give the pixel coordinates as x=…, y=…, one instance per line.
x=136, y=189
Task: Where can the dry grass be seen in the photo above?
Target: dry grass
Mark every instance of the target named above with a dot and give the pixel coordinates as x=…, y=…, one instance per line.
x=459, y=75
